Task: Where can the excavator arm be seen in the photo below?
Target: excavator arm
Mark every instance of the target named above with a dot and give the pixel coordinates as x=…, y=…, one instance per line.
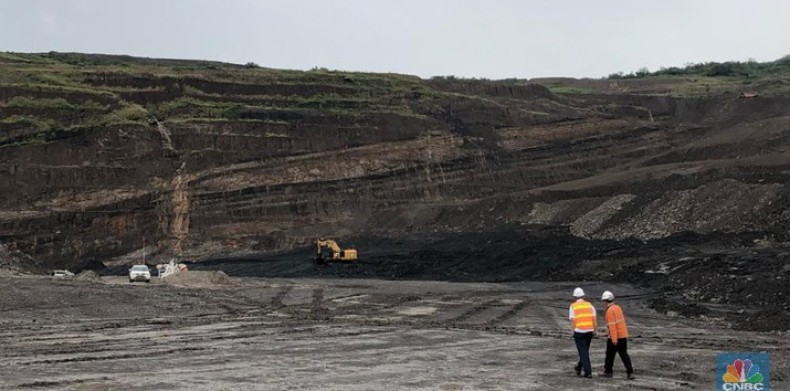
x=320, y=243
x=338, y=254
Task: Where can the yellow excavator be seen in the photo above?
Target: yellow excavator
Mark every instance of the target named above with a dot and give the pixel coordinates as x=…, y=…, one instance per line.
x=335, y=253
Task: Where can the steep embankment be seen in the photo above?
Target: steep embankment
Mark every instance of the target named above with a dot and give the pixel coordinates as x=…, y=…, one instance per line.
x=205, y=159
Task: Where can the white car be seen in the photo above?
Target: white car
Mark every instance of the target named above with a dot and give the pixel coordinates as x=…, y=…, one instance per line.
x=62, y=273
x=139, y=273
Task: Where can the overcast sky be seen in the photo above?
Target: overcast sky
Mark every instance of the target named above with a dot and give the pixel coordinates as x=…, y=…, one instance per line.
x=491, y=38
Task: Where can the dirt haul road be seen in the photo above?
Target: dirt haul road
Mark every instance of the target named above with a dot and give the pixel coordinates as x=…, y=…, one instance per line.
x=324, y=334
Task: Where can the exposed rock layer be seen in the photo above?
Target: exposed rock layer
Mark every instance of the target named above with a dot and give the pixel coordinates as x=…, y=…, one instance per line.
x=363, y=156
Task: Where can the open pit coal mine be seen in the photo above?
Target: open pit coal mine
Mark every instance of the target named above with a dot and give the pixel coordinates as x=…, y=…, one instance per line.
x=476, y=206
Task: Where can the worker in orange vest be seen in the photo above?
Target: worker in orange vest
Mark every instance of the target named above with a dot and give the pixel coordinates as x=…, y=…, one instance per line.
x=584, y=325
x=618, y=337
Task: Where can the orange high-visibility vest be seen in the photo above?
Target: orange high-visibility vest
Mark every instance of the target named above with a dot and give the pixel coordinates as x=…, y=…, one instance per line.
x=583, y=316
x=615, y=322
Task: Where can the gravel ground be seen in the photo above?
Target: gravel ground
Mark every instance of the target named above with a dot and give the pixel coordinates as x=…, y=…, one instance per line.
x=340, y=334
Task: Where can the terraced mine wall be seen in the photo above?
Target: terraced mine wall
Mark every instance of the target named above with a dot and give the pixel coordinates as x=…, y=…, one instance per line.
x=205, y=161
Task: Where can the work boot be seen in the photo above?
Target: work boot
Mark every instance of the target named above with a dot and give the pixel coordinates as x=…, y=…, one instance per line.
x=631, y=376
x=604, y=374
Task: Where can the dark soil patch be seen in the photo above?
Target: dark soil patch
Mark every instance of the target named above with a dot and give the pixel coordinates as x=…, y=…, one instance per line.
x=691, y=273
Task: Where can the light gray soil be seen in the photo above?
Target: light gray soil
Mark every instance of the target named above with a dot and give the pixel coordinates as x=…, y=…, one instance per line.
x=323, y=334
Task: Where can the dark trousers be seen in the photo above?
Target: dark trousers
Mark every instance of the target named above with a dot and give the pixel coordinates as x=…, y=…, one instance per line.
x=622, y=349
x=583, y=341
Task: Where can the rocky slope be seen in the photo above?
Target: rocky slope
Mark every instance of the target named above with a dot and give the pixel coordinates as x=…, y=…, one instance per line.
x=101, y=154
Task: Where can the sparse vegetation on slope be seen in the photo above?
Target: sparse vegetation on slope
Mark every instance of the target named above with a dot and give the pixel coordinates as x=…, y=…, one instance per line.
x=748, y=69
x=40, y=93
x=694, y=80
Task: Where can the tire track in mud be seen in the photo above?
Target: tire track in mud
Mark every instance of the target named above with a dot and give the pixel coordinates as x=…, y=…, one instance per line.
x=374, y=305
x=318, y=301
x=80, y=347
x=277, y=301
x=241, y=304
x=60, y=384
x=401, y=300
x=476, y=309
x=115, y=356
x=509, y=313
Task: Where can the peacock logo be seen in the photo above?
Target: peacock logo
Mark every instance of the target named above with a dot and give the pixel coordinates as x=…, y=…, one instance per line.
x=743, y=375
x=743, y=371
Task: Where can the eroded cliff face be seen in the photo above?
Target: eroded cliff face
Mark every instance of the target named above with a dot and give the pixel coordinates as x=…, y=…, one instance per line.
x=212, y=161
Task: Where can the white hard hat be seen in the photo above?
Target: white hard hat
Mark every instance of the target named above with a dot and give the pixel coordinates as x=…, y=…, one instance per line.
x=607, y=296
x=578, y=292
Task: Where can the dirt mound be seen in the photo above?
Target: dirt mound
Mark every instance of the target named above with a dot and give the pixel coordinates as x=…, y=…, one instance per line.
x=198, y=278
x=88, y=275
